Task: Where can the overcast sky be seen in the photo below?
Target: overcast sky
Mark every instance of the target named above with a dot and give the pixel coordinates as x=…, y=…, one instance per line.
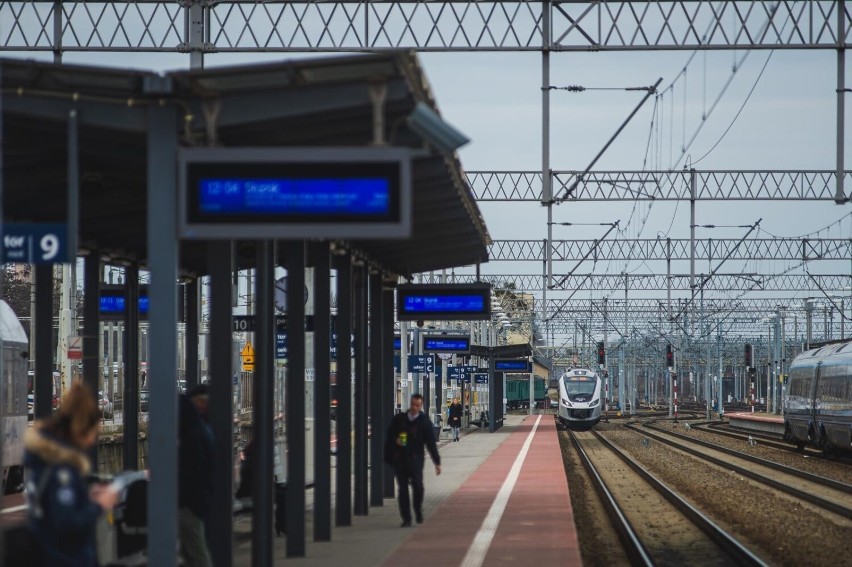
x=789, y=122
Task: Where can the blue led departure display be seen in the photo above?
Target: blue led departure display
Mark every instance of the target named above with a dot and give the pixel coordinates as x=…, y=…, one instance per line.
x=113, y=304
x=299, y=196
x=446, y=344
x=512, y=365
x=427, y=304
x=444, y=302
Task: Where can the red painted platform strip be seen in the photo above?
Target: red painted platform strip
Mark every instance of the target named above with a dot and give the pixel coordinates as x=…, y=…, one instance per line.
x=537, y=525
x=755, y=417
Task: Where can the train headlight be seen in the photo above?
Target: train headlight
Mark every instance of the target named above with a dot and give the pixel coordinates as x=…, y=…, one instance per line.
x=594, y=403
x=566, y=403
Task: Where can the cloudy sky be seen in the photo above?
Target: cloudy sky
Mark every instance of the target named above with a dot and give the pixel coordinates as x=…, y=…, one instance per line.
x=778, y=112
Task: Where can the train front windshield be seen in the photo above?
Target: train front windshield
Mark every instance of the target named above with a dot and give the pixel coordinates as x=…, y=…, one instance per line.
x=577, y=385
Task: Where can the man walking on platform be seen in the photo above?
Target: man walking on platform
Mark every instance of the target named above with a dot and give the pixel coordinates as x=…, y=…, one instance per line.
x=409, y=435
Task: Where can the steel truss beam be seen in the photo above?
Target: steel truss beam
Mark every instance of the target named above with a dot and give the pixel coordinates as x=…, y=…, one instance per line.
x=425, y=25
x=649, y=352
x=751, y=326
x=531, y=283
x=655, y=308
x=711, y=185
x=674, y=249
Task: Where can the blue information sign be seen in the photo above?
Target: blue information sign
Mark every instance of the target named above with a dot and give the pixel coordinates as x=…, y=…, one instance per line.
x=295, y=195
x=481, y=378
x=421, y=363
x=446, y=343
x=280, y=343
x=443, y=302
x=512, y=365
x=35, y=243
x=114, y=305
x=299, y=193
x=429, y=302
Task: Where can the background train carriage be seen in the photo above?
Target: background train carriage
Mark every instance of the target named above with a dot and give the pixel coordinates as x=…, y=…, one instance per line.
x=518, y=392
x=13, y=395
x=818, y=401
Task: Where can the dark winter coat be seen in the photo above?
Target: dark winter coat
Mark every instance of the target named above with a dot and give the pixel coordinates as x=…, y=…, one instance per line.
x=62, y=518
x=420, y=436
x=455, y=415
x=195, y=459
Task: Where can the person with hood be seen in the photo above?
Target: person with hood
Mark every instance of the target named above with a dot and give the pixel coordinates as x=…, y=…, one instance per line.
x=408, y=436
x=455, y=418
x=62, y=508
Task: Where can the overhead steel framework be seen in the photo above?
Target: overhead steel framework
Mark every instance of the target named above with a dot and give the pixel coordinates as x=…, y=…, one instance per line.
x=673, y=249
x=532, y=283
x=250, y=26
x=687, y=185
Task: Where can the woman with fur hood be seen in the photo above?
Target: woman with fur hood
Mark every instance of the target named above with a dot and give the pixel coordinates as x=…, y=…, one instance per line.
x=63, y=509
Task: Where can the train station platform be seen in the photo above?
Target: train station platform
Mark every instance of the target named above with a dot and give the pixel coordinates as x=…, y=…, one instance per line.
x=757, y=421
x=502, y=498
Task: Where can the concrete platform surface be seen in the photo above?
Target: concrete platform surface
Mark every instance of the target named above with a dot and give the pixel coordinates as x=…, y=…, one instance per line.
x=506, y=491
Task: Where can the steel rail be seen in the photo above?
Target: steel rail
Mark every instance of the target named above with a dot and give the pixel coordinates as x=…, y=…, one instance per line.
x=633, y=547
x=730, y=545
x=801, y=494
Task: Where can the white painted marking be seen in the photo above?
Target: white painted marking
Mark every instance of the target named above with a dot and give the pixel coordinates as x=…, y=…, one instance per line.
x=13, y=509
x=475, y=555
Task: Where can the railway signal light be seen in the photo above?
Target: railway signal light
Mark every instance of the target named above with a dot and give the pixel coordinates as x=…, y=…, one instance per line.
x=748, y=356
x=669, y=356
x=601, y=354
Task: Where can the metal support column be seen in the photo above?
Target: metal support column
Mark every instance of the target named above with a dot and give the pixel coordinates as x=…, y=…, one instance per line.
x=196, y=14
x=840, y=192
x=294, y=395
x=622, y=363
x=91, y=324
x=389, y=388
x=130, y=396
x=693, y=179
x=262, y=408
x=359, y=281
x=377, y=417
x=42, y=320
x=343, y=392
x=220, y=267
x=163, y=265
x=322, y=391
x=190, y=340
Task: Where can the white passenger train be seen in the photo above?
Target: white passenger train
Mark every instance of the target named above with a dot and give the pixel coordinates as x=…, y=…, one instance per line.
x=13, y=410
x=818, y=399
x=580, y=398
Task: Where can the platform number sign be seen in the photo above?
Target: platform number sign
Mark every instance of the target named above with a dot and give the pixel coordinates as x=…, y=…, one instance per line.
x=35, y=243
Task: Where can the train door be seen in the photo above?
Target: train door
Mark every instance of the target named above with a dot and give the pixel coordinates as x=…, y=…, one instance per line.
x=813, y=410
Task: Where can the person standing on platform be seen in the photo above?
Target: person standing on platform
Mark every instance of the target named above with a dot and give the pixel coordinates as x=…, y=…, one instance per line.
x=199, y=395
x=62, y=509
x=455, y=418
x=195, y=481
x=410, y=434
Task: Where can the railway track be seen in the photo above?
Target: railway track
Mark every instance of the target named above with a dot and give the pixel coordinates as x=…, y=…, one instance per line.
x=766, y=439
x=826, y=494
x=650, y=517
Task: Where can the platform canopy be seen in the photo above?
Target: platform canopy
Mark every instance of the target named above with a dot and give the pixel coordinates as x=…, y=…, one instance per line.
x=299, y=103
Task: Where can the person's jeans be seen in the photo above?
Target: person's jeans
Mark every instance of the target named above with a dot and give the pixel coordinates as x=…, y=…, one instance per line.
x=193, y=544
x=455, y=433
x=405, y=473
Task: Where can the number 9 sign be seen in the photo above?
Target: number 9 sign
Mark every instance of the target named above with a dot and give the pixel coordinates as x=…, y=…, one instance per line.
x=35, y=243
x=49, y=245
